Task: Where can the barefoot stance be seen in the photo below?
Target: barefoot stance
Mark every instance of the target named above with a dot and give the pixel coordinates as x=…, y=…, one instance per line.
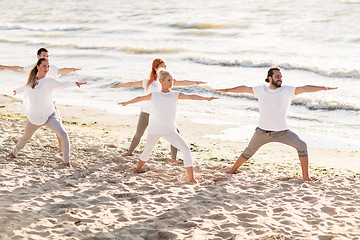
x=162, y=121
x=274, y=101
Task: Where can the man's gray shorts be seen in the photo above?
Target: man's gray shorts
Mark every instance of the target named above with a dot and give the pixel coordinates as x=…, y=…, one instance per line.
x=262, y=137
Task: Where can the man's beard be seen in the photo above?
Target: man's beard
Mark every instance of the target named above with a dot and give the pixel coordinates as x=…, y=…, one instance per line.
x=275, y=84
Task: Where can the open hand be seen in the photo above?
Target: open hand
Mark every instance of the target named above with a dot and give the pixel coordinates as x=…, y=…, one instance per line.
x=199, y=82
x=80, y=83
x=212, y=98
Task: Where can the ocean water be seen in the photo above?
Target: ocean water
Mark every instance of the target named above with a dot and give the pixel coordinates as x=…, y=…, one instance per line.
x=225, y=43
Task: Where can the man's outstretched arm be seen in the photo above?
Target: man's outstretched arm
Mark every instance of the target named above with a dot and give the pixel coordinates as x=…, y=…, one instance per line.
x=13, y=68
x=239, y=89
x=67, y=70
x=312, y=88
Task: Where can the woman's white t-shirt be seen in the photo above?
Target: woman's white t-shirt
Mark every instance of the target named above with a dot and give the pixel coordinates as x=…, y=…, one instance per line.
x=273, y=106
x=163, y=112
x=153, y=87
x=38, y=102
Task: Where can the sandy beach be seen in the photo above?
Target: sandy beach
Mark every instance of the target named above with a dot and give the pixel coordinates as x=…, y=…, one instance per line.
x=99, y=198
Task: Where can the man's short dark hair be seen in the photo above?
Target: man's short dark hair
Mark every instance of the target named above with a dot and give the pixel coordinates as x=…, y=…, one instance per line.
x=41, y=50
x=271, y=73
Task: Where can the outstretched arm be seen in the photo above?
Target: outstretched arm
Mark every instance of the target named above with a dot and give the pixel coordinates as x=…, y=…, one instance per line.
x=187, y=82
x=311, y=88
x=137, y=99
x=19, y=90
x=68, y=70
x=13, y=68
x=195, y=97
x=239, y=89
x=128, y=85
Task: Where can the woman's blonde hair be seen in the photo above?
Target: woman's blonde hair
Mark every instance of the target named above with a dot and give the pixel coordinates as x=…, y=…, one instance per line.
x=32, y=76
x=163, y=73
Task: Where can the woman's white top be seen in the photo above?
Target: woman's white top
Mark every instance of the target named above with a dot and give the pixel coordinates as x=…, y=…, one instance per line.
x=153, y=87
x=53, y=71
x=38, y=102
x=163, y=112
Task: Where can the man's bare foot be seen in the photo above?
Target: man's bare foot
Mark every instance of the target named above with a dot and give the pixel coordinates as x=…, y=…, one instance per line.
x=11, y=155
x=127, y=154
x=308, y=179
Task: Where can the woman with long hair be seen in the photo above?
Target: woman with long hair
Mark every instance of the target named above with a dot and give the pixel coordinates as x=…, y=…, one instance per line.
x=39, y=108
x=162, y=120
x=150, y=85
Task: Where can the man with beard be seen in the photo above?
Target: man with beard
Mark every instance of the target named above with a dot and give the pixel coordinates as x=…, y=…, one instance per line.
x=274, y=102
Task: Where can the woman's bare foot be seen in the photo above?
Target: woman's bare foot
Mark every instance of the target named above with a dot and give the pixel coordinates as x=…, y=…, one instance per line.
x=127, y=154
x=193, y=180
x=68, y=164
x=230, y=171
x=11, y=155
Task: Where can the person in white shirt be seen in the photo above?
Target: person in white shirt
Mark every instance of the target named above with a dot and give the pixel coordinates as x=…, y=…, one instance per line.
x=274, y=102
x=150, y=85
x=54, y=72
x=39, y=108
x=162, y=120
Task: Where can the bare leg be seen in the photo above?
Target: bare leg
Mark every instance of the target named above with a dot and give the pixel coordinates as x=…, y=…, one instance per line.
x=190, y=172
x=305, y=168
x=11, y=155
x=239, y=162
x=139, y=166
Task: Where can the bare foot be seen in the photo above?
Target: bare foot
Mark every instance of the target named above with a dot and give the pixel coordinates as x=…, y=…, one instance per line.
x=67, y=164
x=230, y=171
x=193, y=180
x=308, y=179
x=135, y=171
x=173, y=160
x=11, y=155
x=127, y=154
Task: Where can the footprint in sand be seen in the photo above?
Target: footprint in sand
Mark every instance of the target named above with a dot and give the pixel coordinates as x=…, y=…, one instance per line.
x=310, y=199
x=217, y=216
x=329, y=210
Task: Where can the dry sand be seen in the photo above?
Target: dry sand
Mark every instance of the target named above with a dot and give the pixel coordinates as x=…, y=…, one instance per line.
x=100, y=199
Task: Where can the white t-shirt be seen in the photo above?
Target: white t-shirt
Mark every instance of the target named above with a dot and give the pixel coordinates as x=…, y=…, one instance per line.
x=53, y=71
x=163, y=112
x=273, y=106
x=153, y=87
x=38, y=102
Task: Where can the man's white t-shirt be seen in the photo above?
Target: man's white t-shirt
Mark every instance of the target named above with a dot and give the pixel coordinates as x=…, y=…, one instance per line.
x=153, y=87
x=53, y=71
x=273, y=106
x=38, y=102
x=163, y=112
